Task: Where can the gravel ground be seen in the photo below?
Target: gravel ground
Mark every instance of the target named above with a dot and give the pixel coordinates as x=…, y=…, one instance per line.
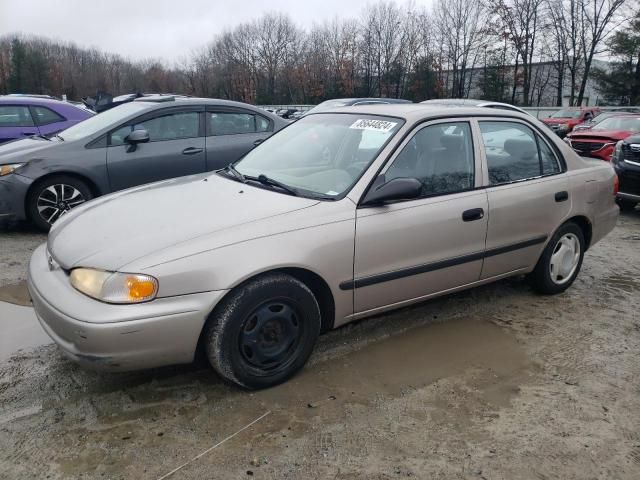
x=492, y=383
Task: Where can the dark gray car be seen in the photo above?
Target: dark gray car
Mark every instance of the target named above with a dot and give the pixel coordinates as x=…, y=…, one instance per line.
x=149, y=139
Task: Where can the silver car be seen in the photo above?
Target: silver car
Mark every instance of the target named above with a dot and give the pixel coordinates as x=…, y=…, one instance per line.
x=336, y=217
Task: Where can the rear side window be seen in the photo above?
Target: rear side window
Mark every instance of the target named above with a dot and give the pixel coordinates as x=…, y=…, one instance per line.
x=440, y=157
x=15, y=116
x=45, y=116
x=230, y=123
x=515, y=152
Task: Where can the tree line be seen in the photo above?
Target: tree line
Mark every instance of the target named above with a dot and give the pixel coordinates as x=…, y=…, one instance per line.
x=491, y=48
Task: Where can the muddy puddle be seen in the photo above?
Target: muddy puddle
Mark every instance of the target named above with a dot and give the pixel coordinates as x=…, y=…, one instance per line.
x=16, y=293
x=19, y=330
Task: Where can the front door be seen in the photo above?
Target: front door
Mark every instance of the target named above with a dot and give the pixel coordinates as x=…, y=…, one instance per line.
x=176, y=147
x=411, y=249
x=528, y=195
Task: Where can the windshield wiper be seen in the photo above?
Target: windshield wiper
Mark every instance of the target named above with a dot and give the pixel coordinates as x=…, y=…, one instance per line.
x=232, y=170
x=41, y=137
x=263, y=179
x=59, y=137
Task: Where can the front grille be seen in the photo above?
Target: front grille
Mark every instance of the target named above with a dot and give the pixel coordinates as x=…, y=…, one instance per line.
x=587, y=146
x=629, y=153
x=629, y=182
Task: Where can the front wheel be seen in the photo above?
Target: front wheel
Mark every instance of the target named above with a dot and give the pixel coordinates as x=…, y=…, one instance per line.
x=561, y=260
x=626, y=205
x=54, y=196
x=263, y=332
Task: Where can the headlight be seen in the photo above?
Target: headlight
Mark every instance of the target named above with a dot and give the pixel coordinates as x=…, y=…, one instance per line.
x=616, y=156
x=114, y=287
x=564, y=126
x=7, y=169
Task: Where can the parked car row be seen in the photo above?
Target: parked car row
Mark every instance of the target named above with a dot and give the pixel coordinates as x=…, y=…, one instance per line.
x=142, y=141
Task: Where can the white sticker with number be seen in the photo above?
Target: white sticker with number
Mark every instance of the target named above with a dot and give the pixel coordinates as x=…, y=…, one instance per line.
x=375, y=125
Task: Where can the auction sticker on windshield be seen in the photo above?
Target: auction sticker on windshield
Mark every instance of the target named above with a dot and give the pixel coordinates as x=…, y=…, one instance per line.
x=375, y=125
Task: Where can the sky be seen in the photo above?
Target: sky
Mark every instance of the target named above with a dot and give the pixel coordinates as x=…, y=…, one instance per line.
x=160, y=29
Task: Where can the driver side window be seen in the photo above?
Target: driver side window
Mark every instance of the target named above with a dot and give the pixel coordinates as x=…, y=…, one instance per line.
x=440, y=157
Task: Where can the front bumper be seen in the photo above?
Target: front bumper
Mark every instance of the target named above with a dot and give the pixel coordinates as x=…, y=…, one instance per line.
x=102, y=336
x=13, y=192
x=629, y=175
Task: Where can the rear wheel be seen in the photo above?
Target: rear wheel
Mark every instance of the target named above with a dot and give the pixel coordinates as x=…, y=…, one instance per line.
x=626, y=205
x=263, y=332
x=55, y=196
x=561, y=260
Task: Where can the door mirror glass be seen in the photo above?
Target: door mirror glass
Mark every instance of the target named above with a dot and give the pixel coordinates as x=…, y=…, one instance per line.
x=137, y=136
x=395, y=189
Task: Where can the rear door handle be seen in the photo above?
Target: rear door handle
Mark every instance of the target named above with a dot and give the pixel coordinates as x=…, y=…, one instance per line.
x=192, y=151
x=28, y=134
x=473, y=214
x=562, y=196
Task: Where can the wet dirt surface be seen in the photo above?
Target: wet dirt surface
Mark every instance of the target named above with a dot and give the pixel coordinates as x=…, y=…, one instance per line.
x=493, y=383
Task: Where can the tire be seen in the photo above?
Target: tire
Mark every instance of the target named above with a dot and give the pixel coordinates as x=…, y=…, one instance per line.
x=52, y=197
x=626, y=205
x=263, y=332
x=555, y=275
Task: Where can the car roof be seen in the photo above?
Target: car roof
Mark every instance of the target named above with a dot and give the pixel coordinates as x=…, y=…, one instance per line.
x=412, y=112
x=29, y=100
x=178, y=100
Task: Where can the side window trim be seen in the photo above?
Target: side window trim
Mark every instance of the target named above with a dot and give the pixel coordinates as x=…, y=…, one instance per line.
x=537, y=136
x=224, y=109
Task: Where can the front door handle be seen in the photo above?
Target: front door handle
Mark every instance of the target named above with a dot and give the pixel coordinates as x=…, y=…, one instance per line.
x=562, y=196
x=192, y=151
x=473, y=214
x=258, y=141
x=28, y=134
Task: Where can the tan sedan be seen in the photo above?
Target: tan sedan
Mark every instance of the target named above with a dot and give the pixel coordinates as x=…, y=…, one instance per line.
x=341, y=215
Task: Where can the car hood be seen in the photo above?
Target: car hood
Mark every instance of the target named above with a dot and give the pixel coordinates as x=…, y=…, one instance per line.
x=113, y=231
x=24, y=149
x=600, y=134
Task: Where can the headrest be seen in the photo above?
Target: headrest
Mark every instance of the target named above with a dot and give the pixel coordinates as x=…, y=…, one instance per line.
x=520, y=148
x=452, y=142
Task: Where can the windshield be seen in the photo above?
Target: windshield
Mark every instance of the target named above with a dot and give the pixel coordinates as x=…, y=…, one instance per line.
x=631, y=124
x=103, y=120
x=323, y=154
x=567, y=114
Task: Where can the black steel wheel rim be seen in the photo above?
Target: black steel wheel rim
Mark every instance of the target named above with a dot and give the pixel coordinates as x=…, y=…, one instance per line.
x=271, y=335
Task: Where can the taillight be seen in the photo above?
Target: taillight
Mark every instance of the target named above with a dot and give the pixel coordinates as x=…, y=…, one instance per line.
x=616, y=185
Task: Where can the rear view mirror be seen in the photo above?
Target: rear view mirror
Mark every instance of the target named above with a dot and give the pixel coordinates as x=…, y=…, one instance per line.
x=395, y=189
x=136, y=137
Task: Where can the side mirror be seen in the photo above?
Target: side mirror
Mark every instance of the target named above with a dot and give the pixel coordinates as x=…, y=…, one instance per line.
x=395, y=189
x=136, y=137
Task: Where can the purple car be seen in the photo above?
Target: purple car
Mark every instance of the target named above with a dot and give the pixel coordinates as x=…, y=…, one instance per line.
x=25, y=116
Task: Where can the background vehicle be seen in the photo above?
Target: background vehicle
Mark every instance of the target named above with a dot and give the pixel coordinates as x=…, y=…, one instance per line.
x=563, y=121
x=469, y=102
x=600, y=140
x=349, y=102
x=626, y=161
x=598, y=118
x=26, y=116
x=143, y=141
x=390, y=207
x=286, y=112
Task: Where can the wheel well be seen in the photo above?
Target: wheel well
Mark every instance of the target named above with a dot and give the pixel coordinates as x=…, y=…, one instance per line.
x=585, y=226
x=320, y=290
x=92, y=186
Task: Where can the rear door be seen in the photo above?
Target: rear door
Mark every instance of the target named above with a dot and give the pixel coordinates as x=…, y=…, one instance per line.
x=176, y=148
x=231, y=133
x=16, y=122
x=411, y=249
x=527, y=192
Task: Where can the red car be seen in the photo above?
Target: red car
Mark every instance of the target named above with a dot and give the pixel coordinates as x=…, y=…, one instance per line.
x=600, y=140
x=563, y=121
